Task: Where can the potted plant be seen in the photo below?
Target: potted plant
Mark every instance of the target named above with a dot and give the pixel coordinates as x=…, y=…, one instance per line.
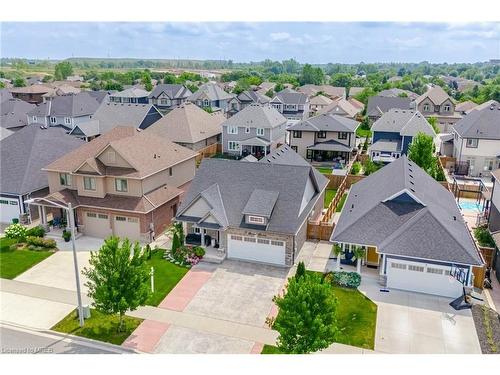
x=66, y=235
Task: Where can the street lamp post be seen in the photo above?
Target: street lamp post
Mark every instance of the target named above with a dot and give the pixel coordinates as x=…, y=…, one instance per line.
x=71, y=218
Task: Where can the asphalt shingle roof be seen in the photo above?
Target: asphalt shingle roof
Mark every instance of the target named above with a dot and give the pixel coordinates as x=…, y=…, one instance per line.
x=378, y=105
x=289, y=96
x=256, y=116
x=326, y=122
x=404, y=122
x=212, y=91
x=173, y=91
x=261, y=202
x=111, y=115
x=13, y=113
x=483, y=123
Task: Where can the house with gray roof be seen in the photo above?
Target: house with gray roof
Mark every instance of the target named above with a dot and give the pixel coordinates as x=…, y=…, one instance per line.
x=23, y=155
x=167, y=96
x=378, y=105
x=324, y=138
x=252, y=211
x=256, y=130
x=477, y=140
x=65, y=110
x=411, y=229
x=131, y=95
x=13, y=114
x=291, y=104
x=110, y=115
x=212, y=97
x=244, y=99
x=435, y=102
x=394, y=132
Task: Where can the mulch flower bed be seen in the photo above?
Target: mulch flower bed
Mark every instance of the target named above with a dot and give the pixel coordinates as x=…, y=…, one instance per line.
x=487, y=322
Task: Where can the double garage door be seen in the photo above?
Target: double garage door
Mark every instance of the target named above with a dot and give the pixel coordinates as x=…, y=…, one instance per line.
x=9, y=209
x=99, y=225
x=422, y=277
x=256, y=249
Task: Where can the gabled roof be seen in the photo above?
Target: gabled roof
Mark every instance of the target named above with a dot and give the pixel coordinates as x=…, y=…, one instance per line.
x=284, y=155
x=289, y=96
x=87, y=129
x=341, y=105
x=378, y=105
x=256, y=116
x=404, y=122
x=320, y=100
x=332, y=91
x=396, y=93
x=237, y=181
x=33, y=89
x=111, y=115
x=403, y=211
x=132, y=92
x=14, y=113
x=486, y=104
x=253, y=97
x=26, y=152
x=326, y=122
x=480, y=123
x=188, y=124
x=436, y=95
x=466, y=106
x=211, y=91
x=71, y=105
x=261, y=202
x=173, y=91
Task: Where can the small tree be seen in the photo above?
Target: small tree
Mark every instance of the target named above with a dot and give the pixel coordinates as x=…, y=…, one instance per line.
x=118, y=279
x=146, y=81
x=301, y=270
x=19, y=82
x=62, y=70
x=306, y=319
x=421, y=151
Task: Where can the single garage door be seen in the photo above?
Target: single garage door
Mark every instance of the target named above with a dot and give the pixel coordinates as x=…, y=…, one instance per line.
x=127, y=227
x=9, y=209
x=422, y=278
x=256, y=249
x=97, y=225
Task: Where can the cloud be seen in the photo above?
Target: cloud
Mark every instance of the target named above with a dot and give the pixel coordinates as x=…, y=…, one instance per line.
x=279, y=36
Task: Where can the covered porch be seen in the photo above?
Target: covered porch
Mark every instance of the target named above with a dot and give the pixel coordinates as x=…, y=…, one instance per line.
x=329, y=151
x=256, y=146
x=210, y=238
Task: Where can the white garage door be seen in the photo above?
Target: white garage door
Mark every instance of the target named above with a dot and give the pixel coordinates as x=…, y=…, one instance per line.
x=9, y=209
x=127, y=227
x=256, y=249
x=97, y=225
x=422, y=278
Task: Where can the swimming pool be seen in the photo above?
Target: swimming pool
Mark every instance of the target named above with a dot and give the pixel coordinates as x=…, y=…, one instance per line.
x=469, y=206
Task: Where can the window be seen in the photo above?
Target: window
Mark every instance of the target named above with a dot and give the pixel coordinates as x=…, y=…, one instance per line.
x=249, y=239
x=309, y=154
x=263, y=241
x=234, y=106
x=233, y=146
x=164, y=101
x=34, y=119
x=232, y=130
x=102, y=216
x=52, y=120
x=67, y=120
x=276, y=243
x=236, y=238
x=260, y=131
x=412, y=267
x=426, y=107
x=472, y=142
x=121, y=185
x=342, y=135
x=247, y=130
x=256, y=219
x=65, y=179
x=321, y=134
x=206, y=103
x=297, y=134
x=132, y=219
x=489, y=164
x=436, y=271
x=446, y=108
x=91, y=214
x=111, y=156
x=197, y=230
x=399, y=266
x=120, y=218
x=170, y=171
x=294, y=148
x=89, y=183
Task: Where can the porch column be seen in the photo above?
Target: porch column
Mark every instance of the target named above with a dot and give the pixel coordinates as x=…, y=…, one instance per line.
x=382, y=266
x=40, y=215
x=202, y=233
x=43, y=217
x=184, y=230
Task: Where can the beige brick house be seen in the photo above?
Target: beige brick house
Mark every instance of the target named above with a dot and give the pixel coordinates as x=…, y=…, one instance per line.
x=125, y=183
x=437, y=103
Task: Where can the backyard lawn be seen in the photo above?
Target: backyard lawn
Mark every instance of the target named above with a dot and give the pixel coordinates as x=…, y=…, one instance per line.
x=329, y=195
x=15, y=262
x=324, y=170
x=341, y=202
x=99, y=326
x=166, y=276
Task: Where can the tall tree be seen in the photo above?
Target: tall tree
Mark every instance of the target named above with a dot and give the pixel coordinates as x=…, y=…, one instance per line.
x=421, y=151
x=306, y=319
x=62, y=70
x=311, y=75
x=118, y=279
x=146, y=81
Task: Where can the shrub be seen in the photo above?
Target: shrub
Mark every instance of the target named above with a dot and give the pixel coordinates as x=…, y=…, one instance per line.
x=37, y=231
x=483, y=237
x=199, y=251
x=344, y=279
x=40, y=242
x=371, y=167
x=301, y=270
x=16, y=231
x=356, y=168
x=147, y=251
x=66, y=235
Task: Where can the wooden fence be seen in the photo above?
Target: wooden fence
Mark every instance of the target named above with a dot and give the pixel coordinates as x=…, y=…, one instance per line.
x=208, y=152
x=319, y=231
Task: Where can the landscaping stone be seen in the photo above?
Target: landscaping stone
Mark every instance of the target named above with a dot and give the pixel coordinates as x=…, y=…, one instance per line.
x=488, y=333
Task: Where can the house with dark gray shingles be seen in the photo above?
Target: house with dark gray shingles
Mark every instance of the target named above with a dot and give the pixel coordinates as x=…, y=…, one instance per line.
x=253, y=211
x=325, y=137
x=244, y=99
x=130, y=95
x=394, y=132
x=13, y=114
x=256, y=130
x=291, y=104
x=167, y=96
x=378, y=105
x=411, y=229
x=23, y=155
x=211, y=96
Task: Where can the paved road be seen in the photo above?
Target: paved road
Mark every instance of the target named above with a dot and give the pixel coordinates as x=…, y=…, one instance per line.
x=16, y=340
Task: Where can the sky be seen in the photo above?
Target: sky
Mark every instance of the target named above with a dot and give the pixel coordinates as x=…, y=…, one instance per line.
x=312, y=42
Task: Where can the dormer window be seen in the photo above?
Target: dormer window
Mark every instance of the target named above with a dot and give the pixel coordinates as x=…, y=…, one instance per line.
x=447, y=108
x=53, y=120
x=260, y=131
x=67, y=120
x=65, y=179
x=426, y=107
x=256, y=219
x=111, y=157
x=89, y=183
x=121, y=185
x=206, y=103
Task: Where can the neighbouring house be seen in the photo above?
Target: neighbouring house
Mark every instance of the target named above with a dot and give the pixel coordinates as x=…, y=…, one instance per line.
x=168, y=96
x=244, y=99
x=110, y=115
x=437, y=103
x=460, y=84
x=23, y=155
x=331, y=91
x=394, y=132
x=398, y=93
x=133, y=94
x=465, y=107
x=324, y=138
x=356, y=103
x=342, y=107
x=252, y=211
x=378, y=105
x=13, y=114
x=291, y=104
x=258, y=129
x=32, y=94
x=60, y=90
x=264, y=87
x=318, y=103
x=124, y=183
x=211, y=97
x=411, y=229
x=190, y=126
x=66, y=110
x=477, y=140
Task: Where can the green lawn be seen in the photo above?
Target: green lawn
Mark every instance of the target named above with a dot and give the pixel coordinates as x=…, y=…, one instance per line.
x=324, y=170
x=99, y=326
x=15, y=262
x=362, y=133
x=329, y=195
x=341, y=202
x=270, y=349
